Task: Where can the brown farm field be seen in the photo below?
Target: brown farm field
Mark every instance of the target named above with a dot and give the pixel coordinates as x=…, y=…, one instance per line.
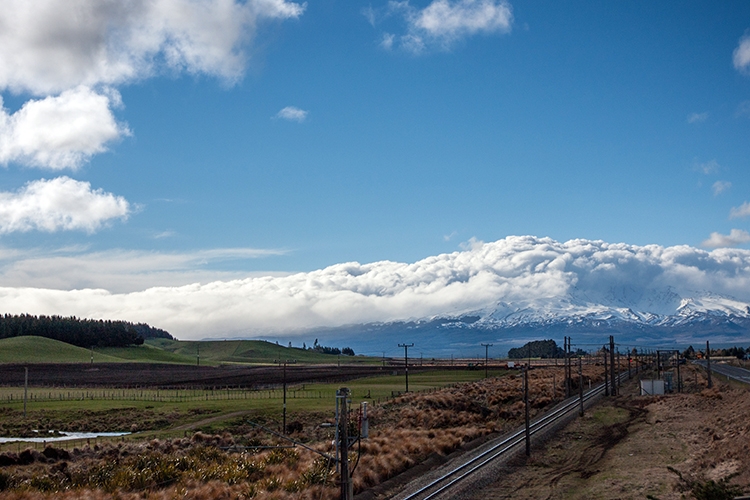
x=170, y=376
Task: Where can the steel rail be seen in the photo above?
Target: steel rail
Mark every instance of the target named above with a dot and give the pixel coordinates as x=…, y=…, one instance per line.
x=514, y=439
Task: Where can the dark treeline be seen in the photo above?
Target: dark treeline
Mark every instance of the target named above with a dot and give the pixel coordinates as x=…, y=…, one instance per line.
x=537, y=349
x=737, y=352
x=346, y=351
x=79, y=332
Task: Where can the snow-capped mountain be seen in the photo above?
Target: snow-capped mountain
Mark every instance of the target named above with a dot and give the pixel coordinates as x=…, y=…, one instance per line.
x=637, y=318
x=652, y=308
x=486, y=292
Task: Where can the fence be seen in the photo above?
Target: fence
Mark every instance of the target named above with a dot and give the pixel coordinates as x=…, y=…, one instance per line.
x=15, y=395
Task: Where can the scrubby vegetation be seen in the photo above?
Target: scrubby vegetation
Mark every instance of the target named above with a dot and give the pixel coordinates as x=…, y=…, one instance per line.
x=231, y=462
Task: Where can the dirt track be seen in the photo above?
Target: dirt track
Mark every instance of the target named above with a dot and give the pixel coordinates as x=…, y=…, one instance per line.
x=175, y=376
x=625, y=448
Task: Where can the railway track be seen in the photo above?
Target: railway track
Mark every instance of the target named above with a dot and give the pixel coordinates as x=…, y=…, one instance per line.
x=456, y=476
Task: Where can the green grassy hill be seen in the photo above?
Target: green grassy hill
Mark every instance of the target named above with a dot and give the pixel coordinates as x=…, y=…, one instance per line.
x=30, y=349
x=247, y=351
x=145, y=354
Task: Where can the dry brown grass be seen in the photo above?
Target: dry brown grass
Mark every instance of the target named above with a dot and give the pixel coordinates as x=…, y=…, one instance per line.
x=403, y=433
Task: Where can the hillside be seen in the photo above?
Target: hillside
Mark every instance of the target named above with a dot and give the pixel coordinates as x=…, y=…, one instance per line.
x=29, y=349
x=32, y=349
x=246, y=351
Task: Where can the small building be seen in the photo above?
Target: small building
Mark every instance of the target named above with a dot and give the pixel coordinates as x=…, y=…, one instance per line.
x=652, y=387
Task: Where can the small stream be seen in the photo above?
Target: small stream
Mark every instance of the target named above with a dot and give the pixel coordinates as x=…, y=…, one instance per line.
x=61, y=436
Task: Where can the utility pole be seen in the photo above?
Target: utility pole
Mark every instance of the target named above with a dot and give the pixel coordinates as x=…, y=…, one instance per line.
x=486, y=357
x=566, y=367
x=569, y=365
x=343, y=443
x=658, y=364
x=612, y=364
x=606, y=371
x=92, y=355
x=284, y=363
x=619, y=370
x=383, y=358
x=580, y=386
x=197, y=354
x=679, y=378
x=708, y=364
x=630, y=362
x=526, y=403
x=25, y=388
x=406, y=362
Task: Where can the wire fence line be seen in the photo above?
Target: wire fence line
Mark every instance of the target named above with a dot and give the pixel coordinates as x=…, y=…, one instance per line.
x=16, y=395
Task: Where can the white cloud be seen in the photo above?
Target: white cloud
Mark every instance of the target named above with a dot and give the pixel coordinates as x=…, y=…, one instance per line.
x=121, y=271
x=68, y=47
x=293, y=114
x=59, y=204
x=709, y=167
x=735, y=238
x=59, y=132
x=456, y=19
x=743, y=109
x=387, y=41
x=697, y=117
x=521, y=270
x=54, y=45
x=741, y=211
x=741, y=55
x=444, y=22
x=720, y=186
x=369, y=13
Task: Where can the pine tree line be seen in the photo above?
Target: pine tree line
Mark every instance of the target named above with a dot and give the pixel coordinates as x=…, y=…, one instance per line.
x=79, y=332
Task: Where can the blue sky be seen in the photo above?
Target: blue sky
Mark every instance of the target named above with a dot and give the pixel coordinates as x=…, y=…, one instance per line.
x=618, y=121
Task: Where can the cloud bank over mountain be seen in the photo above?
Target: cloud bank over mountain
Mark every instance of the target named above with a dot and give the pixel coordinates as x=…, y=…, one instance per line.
x=512, y=273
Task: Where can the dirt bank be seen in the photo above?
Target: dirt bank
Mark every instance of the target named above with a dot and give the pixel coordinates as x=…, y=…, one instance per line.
x=663, y=447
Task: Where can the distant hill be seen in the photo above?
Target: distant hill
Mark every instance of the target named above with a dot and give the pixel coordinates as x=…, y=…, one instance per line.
x=35, y=349
x=249, y=351
x=79, y=332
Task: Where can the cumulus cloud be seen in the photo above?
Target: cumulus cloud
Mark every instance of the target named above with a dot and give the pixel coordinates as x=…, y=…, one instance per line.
x=735, y=238
x=292, y=114
x=62, y=49
x=522, y=271
x=59, y=132
x=741, y=55
x=720, y=186
x=741, y=211
x=444, y=22
x=50, y=46
x=122, y=271
x=59, y=204
x=697, y=117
